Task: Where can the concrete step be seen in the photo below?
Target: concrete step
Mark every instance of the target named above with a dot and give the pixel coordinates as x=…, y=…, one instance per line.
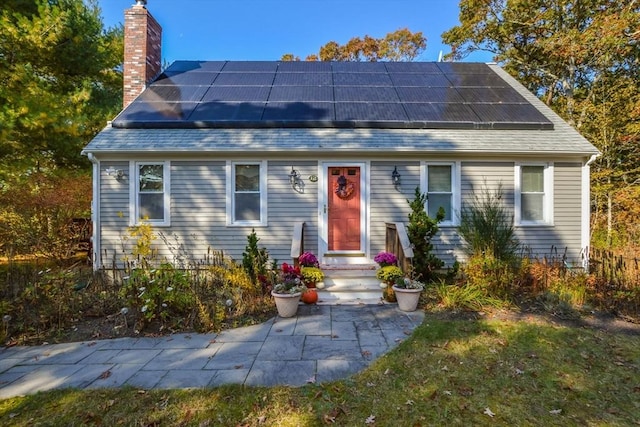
x=350, y=284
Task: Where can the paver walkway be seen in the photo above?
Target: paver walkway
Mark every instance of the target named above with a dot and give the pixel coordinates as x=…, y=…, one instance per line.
x=322, y=343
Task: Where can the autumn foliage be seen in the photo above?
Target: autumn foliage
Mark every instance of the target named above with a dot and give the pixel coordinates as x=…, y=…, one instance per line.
x=36, y=215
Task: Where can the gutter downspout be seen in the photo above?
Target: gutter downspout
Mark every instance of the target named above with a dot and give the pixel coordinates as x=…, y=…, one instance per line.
x=95, y=212
x=586, y=210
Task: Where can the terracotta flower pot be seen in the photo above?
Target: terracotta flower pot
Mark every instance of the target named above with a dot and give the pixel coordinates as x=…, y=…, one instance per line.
x=287, y=304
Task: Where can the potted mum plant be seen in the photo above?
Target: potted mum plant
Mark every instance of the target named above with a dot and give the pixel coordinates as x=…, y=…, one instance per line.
x=312, y=276
x=388, y=276
x=407, y=292
x=385, y=258
x=287, y=290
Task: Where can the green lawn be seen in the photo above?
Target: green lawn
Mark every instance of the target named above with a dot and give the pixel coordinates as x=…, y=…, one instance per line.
x=458, y=372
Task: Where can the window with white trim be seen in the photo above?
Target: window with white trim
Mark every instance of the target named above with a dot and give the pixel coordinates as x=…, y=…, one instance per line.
x=152, y=192
x=247, y=193
x=534, y=202
x=440, y=182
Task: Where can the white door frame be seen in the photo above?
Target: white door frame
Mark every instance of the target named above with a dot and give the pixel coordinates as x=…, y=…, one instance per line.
x=345, y=257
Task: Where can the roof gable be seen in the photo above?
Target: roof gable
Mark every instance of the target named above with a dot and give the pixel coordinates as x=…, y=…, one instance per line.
x=271, y=94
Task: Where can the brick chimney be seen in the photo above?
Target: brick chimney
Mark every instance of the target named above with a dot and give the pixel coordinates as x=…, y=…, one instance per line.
x=142, y=50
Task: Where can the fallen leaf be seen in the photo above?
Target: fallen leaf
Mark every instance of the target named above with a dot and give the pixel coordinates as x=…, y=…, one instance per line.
x=262, y=419
x=311, y=380
x=366, y=353
x=370, y=419
x=488, y=411
x=409, y=402
x=238, y=366
x=387, y=371
x=447, y=392
x=106, y=374
x=555, y=411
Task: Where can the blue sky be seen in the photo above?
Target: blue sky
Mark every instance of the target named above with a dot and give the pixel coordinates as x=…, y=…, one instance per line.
x=267, y=29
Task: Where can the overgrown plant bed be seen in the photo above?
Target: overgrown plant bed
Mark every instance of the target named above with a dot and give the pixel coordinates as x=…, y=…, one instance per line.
x=47, y=303
x=527, y=371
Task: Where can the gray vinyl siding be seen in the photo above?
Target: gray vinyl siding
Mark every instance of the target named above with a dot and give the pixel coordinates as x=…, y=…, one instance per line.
x=114, y=213
x=199, y=213
x=565, y=234
x=199, y=209
x=389, y=204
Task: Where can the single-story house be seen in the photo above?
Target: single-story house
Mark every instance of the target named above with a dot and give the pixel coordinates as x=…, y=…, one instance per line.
x=207, y=151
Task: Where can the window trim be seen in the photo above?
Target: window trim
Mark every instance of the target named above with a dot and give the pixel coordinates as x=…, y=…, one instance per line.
x=231, y=181
x=455, y=188
x=134, y=171
x=547, y=198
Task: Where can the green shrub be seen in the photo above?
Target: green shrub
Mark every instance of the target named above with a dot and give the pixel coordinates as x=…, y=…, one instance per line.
x=255, y=259
x=487, y=227
x=421, y=230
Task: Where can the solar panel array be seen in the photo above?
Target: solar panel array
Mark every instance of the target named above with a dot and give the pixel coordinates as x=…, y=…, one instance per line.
x=232, y=94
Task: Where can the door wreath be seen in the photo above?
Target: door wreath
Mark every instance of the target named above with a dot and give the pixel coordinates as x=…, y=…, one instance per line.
x=344, y=188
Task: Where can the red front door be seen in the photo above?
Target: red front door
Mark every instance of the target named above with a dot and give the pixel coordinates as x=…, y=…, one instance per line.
x=344, y=208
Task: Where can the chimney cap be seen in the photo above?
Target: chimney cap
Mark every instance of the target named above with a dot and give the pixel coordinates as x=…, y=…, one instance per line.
x=142, y=3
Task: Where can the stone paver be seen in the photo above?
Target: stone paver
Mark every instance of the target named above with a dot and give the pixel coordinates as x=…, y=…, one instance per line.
x=322, y=343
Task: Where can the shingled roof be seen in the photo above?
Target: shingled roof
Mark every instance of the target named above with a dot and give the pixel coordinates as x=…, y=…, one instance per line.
x=374, y=95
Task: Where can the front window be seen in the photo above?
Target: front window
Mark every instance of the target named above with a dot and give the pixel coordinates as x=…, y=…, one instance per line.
x=533, y=195
x=441, y=190
x=248, y=198
x=152, y=193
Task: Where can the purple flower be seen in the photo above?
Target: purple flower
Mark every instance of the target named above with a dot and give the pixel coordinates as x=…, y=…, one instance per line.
x=385, y=258
x=307, y=259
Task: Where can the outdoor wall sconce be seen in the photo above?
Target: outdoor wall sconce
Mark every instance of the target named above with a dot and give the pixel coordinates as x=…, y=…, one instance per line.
x=116, y=173
x=295, y=180
x=395, y=176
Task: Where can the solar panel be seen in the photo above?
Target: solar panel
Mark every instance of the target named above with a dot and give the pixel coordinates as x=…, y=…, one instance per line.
x=366, y=111
x=192, y=78
x=490, y=94
x=476, y=80
x=303, y=79
x=196, y=66
x=299, y=111
x=360, y=94
x=510, y=113
x=414, y=79
x=173, y=93
x=304, y=66
x=228, y=111
x=245, y=79
x=141, y=111
x=361, y=79
x=308, y=94
x=358, y=67
x=413, y=67
x=255, y=66
x=237, y=93
x=301, y=93
x=428, y=94
x=440, y=113
x=464, y=68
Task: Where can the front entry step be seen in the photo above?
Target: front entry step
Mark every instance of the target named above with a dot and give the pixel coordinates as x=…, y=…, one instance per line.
x=346, y=284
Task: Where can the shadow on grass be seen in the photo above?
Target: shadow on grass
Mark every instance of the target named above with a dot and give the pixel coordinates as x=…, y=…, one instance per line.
x=449, y=372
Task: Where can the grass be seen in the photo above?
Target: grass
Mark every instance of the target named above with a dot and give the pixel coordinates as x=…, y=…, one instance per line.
x=449, y=372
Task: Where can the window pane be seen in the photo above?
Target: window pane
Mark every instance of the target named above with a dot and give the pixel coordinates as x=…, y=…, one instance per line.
x=437, y=200
x=532, y=207
x=247, y=177
x=247, y=207
x=439, y=178
x=151, y=206
x=151, y=177
x=533, y=179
